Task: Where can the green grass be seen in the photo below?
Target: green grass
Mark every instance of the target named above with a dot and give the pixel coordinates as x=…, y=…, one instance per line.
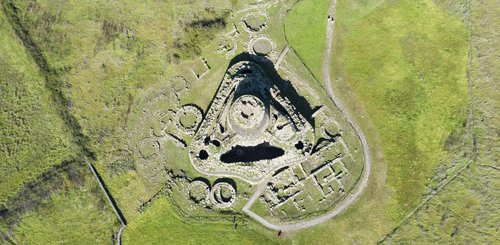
x=452, y=216
x=255, y=22
x=33, y=139
x=32, y=135
x=381, y=51
x=368, y=219
x=68, y=218
x=107, y=54
x=115, y=55
x=407, y=63
x=305, y=28
x=75, y=213
x=159, y=222
x=188, y=120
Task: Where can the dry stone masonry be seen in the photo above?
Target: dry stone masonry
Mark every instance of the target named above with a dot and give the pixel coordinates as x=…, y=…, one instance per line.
x=253, y=132
x=250, y=128
x=255, y=146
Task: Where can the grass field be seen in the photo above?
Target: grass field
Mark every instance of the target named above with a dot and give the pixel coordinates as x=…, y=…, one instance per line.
x=453, y=215
x=66, y=206
x=407, y=63
x=407, y=97
x=121, y=50
x=161, y=223
x=75, y=216
x=32, y=135
x=34, y=140
x=305, y=28
x=106, y=64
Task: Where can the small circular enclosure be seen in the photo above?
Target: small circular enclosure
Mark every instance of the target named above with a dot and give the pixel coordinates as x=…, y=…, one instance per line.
x=148, y=147
x=248, y=111
x=189, y=117
x=198, y=191
x=255, y=22
x=223, y=195
x=262, y=46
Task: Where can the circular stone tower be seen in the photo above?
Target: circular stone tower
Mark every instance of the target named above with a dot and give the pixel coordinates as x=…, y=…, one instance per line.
x=248, y=116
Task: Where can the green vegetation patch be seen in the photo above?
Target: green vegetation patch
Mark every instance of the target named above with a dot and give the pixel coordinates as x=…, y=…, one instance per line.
x=188, y=120
x=65, y=206
x=105, y=53
x=33, y=137
x=305, y=28
x=198, y=33
x=73, y=217
x=466, y=210
x=255, y=22
x=407, y=63
x=380, y=208
x=160, y=222
x=451, y=216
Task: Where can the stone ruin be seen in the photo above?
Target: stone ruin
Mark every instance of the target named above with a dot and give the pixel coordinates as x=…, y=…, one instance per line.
x=223, y=195
x=298, y=163
x=254, y=132
x=197, y=195
x=250, y=129
x=255, y=21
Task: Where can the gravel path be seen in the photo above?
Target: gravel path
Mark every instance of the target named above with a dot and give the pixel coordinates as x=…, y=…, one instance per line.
x=281, y=57
x=366, y=150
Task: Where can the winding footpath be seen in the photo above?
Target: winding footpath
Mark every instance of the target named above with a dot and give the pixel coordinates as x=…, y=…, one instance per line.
x=351, y=198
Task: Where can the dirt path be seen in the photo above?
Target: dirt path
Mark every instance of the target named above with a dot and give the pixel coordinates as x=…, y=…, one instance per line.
x=366, y=150
x=261, y=187
x=281, y=57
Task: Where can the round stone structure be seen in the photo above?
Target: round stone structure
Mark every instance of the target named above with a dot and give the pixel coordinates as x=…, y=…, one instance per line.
x=248, y=115
x=198, y=191
x=223, y=195
x=192, y=123
x=262, y=46
x=148, y=147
